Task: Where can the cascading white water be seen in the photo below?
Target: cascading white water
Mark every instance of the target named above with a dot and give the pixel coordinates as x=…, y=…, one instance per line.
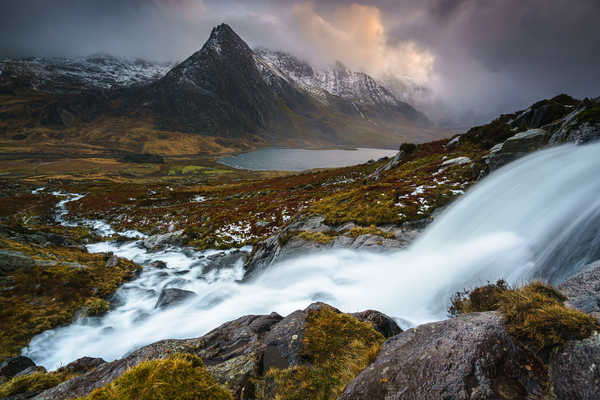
x=513, y=225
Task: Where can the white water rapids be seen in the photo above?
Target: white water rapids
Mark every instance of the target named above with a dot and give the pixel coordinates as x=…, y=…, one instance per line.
x=513, y=225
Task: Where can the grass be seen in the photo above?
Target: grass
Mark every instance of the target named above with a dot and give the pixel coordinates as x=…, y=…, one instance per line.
x=335, y=348
x=179, y=377
x=534, y=314
x=34, y=383
x=319, y=237
x=371, y=230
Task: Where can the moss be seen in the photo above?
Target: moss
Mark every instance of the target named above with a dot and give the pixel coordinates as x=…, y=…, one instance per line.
x=590, y=115
x=534, y=314
x=335, y=348
x=179, y=377
x=96, y=306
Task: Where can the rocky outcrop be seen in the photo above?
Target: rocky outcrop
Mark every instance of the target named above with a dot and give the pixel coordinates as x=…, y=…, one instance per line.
x=515, y=147
x=468, y=357
x=10, y=261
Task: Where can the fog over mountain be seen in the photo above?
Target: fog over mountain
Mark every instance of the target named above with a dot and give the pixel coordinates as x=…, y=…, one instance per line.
x=477, y=57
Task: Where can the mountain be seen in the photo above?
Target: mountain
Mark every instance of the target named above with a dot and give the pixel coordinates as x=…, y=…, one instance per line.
x=100, y=71
x=224, y=97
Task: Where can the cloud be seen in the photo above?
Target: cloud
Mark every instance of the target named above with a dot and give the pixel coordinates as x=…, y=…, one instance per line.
x=355, y=35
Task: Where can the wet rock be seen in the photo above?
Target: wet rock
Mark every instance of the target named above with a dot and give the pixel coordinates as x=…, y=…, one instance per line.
x=10, y=261
x=158, y=242
x=583, y=289
x=13, y=365
x=224, y=260
x=381, y=322
x=158, y=264
x=516, y=147
x=468, y=357
x=113, y=261
x=575, y=370
x=170, y=296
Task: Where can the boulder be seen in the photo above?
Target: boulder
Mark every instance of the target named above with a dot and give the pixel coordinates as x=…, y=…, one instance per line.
x=13, y=365
x=381, y=322
x=158, y=264
x=516, y=147
x=575, y=370
x=31, y=370
x=467, y=357
x=170, y=296
x=82, y=365
x=158, y=242
x=224, y=260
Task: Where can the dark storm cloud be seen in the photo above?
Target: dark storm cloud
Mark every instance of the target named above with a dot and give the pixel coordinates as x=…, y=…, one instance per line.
x=488, y=56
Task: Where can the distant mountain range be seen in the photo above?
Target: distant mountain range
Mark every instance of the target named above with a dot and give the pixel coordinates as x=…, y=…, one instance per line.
x=224, y=90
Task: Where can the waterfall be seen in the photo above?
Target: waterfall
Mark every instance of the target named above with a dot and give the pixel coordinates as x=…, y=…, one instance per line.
x=536, y=217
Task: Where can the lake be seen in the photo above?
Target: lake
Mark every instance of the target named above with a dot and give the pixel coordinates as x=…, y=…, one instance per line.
x=301, y=159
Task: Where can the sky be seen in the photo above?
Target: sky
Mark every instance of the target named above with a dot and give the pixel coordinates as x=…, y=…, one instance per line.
x=477, y=58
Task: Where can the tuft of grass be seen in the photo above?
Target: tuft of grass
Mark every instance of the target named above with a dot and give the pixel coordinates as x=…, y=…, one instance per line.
x=335, y=348
x=34, y=383
x=534, y=314
x=179, y=377
x=484, y=298
x=371, y=230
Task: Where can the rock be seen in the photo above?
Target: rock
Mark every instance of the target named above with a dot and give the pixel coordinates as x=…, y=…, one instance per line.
x=309, y=224
x=453, y=143
x=158, y=242
x=170, y=296
x=10, y=261
x=12, y=366
x=515, y=147
x=82, y=365
x=113, y=261
x=583, y=289
x=381, y=322
x=575, y=370
x=456, y=161
x=31, y=370
x=467, y=357
x=386, y=167
x=225, y=260
x=158, y=264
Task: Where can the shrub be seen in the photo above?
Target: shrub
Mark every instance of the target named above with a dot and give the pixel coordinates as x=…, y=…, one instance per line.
x=180, y=377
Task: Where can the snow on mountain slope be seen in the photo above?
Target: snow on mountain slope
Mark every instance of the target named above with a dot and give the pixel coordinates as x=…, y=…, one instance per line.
x=93, y=72
x=337, y=80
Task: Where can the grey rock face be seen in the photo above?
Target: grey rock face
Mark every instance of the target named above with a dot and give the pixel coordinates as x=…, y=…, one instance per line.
x=468, y=357
x=575, y=370
x=224, y=260
x=171, y=296
x=113, y=261
x=516, y=146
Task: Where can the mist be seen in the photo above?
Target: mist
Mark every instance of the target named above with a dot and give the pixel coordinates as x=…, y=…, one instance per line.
x=476, y=58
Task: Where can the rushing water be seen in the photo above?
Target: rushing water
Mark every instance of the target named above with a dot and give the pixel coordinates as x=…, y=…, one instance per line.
x=301, y=159
x=536, y=217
